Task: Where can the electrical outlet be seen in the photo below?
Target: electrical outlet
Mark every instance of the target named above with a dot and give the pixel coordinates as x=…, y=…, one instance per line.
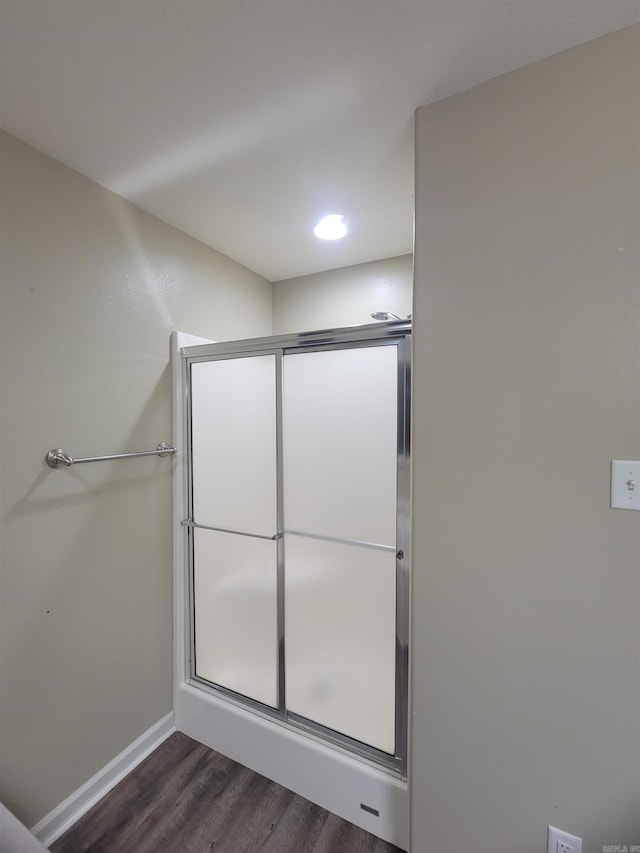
x=559, y=841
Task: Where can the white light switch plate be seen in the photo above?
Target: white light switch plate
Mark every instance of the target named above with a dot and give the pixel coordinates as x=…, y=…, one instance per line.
x=559, y=841
x=625, y=484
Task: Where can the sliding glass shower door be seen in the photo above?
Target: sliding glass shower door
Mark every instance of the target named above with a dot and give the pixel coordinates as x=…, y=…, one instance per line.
x=234, y=499
x=298, y=531
x=340, y=458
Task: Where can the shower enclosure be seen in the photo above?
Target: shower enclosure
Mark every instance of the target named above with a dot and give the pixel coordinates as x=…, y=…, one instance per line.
x=295, y=546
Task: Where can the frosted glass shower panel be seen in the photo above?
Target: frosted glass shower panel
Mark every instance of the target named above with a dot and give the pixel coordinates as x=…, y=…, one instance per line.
x=340, y=638
x=233, y=435
x=235, y=596
x=340, y=442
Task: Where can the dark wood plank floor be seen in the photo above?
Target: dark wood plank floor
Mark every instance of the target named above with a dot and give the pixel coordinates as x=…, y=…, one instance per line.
x=186, y=798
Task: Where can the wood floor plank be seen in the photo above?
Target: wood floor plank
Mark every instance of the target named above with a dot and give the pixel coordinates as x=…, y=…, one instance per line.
x=207, y=793
x=340, y=836
x=186, y=798
x=298, y=828
x=119, y=814
x=247, y=825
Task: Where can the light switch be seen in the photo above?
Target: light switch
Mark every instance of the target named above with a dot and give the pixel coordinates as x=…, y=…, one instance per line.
x=625, y=484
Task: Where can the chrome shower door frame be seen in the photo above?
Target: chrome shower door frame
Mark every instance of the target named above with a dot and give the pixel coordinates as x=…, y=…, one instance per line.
x=395, y=333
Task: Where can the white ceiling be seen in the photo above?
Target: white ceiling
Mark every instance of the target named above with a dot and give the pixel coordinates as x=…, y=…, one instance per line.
x=242, y=122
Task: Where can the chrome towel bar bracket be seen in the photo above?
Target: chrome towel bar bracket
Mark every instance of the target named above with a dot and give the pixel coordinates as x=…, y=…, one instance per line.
x=59, y=459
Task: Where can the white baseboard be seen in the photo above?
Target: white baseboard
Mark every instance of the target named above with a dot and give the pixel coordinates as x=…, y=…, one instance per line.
x=62, y=818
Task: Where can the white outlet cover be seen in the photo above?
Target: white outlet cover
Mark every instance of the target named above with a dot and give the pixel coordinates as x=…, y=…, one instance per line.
x=625, y=485
x=559, y=841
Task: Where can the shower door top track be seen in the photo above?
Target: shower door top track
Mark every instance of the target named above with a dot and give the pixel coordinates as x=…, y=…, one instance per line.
x=369, y=333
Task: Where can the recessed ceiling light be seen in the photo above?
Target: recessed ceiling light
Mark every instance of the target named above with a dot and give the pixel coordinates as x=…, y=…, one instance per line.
x=332, y=227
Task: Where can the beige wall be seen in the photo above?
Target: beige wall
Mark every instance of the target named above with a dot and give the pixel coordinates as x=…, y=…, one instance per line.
x=343, y=297
x=91, y=288
x=526, y=633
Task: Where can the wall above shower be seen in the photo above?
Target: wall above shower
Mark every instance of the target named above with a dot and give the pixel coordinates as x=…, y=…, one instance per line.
x=343, y=297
